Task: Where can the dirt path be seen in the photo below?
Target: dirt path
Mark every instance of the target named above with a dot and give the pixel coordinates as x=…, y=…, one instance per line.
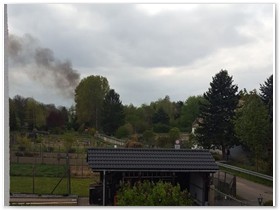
x=250, y=191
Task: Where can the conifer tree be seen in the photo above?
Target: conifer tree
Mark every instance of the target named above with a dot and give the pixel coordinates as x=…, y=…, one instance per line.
x=267, y=95
x=113, y=114
x=216, y=129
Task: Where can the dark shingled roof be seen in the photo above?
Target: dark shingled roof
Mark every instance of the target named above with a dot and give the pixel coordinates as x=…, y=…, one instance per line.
x=140, y=159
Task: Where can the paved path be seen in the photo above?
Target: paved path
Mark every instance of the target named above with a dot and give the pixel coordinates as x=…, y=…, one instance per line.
x=250, y=191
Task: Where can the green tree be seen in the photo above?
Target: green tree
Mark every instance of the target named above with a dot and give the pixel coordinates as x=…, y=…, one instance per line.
x=174, y=134
x=252, y=125
x=267, y=95
x=55, y=120
x=152, y=194
x=20, y=109
x=216, y=129
x=68, y=141
x=136, y=117
x=124, y=131
x=177, y=111
x=72, y=119
x=35, y=114
x=149, y=137
x=166, y=105
x=161, y=117
x=89, y=96
x=113, y=114
x=64, y=113
x=190, y=112
x=14, y=124
x=147, y=113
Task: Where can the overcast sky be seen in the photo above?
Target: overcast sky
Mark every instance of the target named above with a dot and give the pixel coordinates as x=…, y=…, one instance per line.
x=145, y=51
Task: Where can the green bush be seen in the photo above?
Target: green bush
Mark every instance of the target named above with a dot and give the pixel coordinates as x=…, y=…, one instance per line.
x=152, y=194
x=124, y=131
x=174, y=134
x=149, y=137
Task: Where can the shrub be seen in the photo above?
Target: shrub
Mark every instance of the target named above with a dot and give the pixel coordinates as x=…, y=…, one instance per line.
x=124, y=131
x=24, y=143
x=174, y=134
x=152, y=194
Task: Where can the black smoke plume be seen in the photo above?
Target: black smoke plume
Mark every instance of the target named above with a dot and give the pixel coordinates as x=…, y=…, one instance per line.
x=42, y=64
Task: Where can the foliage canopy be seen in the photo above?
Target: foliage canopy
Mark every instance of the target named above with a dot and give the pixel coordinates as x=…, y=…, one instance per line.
x=89, y=96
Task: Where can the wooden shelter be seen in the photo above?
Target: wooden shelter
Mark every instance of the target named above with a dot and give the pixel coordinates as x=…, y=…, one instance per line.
x=190, y=168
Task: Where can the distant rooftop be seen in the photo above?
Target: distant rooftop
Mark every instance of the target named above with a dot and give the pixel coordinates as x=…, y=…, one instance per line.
x=143, y=159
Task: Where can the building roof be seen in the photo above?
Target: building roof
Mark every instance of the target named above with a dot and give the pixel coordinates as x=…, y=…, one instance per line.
x=143, y=159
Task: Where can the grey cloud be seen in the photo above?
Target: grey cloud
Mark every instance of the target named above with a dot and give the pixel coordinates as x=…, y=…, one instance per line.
x=172, y=40
x=166, y=39
x=124, y=44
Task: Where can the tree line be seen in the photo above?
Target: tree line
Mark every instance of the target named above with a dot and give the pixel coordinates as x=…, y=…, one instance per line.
x=225, y=115
x=99, y=107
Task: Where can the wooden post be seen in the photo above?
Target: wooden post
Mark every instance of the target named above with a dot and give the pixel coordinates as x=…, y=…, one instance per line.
x=211, y=195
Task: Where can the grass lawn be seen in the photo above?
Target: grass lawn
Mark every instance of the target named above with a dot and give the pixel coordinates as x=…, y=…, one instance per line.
x=45, y=185
x=19, y=169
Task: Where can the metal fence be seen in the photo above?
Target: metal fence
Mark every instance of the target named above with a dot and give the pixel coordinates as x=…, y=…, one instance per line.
x=223, y=199
x=77, y=162
x=225, y=183
x=253, y=173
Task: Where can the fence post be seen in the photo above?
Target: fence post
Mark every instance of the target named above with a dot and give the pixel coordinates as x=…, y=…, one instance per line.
x=234, y=186
x=211, y=195
x=68, y=171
